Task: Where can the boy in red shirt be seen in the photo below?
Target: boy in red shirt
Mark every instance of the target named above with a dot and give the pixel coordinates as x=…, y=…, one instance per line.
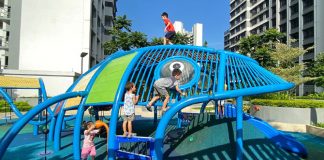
x=169, y=29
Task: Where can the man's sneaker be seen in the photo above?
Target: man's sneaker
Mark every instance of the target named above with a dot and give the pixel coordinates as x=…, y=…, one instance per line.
x=149, y=108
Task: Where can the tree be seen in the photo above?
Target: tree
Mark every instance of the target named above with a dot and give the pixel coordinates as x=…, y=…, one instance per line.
x=260, y=46
x=316, y=70
x=123, y=37
x=181, y=38
x=286, y=65
x=156, y=41
x=205, y=44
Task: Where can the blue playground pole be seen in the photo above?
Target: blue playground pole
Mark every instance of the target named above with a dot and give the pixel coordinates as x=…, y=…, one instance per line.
x=239, y=128
x=77, y=129
x=58, y=129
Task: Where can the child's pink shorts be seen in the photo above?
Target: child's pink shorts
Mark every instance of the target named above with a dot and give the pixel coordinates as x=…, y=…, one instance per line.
x=89, y=150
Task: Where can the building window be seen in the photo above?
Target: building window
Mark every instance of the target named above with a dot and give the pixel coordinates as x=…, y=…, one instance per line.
x=308, y=3
x=283, y=28
x=308, y=33
x=283, y=3
x=294, y=9
x=283, y=15
x=108, y=21
x=253, y=2
x=6, y=61
x=294, y=23
x=309, y=17
x=109, y=4
x=274, y=23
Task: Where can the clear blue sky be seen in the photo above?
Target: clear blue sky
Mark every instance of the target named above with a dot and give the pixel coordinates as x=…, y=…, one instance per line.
x=146, y=16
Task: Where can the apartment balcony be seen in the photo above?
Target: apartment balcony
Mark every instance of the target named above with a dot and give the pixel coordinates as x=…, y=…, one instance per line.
x=294, y=15
x=283, y=21
x=308, y=9
x=295, y=44
x=308, y=40
x=256, y=4
x=237, y=6
x=4, y=43
x=308, y=25
x=293, y=2
x=237, y=25
x=259, y=23
x=238, y=14
x=294, y=29
x=283, y=8
x=308, y=56
x=259, y=13
x=5, y=14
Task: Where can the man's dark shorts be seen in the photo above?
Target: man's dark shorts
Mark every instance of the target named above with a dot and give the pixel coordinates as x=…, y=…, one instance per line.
x=170, y=35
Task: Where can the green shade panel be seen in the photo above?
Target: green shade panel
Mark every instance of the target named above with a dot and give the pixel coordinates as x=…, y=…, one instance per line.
x=105, y=86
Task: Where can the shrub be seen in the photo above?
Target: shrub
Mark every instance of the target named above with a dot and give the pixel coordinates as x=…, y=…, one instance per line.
x=319, y=125
x=319, y=96
x=297, y=103
x=279, y=95
x=21, y=105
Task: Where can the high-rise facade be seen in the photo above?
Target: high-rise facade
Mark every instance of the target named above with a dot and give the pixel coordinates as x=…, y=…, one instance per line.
x=4, y=32
x=197, y=30
x=48, y=36
x=298, y=19
x=247, y=17
x=196, y=35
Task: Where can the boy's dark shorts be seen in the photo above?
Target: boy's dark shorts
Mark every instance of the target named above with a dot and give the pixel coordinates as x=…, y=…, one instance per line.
x=170, y=35
x=160, y=91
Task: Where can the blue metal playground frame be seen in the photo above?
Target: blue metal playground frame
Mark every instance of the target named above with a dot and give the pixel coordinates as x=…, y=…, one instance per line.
x=242, y=75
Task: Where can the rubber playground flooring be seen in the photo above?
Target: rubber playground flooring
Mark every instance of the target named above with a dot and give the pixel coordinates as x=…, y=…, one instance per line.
x=209, y=141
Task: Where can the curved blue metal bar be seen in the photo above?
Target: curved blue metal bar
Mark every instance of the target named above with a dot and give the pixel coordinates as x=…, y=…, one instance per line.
x=116, y=105
x=159, y=136
x=44, y=95
x=13, y=107
x=16, y=110
x=14, y=130
x=211, y=50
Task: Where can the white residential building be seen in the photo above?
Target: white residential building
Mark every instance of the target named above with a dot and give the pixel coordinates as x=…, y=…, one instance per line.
x=48, y=36
x=197, y=30
x=196, y=33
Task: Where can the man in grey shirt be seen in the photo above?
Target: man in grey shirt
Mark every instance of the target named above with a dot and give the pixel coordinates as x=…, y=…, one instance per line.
x=160, y=88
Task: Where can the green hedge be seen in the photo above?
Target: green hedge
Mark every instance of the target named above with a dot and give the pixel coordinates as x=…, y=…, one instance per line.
x=319, y=96
x=319, y=125
x=21, y=105
x=297, y=103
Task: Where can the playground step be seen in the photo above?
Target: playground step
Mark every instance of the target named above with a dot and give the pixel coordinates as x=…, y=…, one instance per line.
x=130, y=155
x=123, y=139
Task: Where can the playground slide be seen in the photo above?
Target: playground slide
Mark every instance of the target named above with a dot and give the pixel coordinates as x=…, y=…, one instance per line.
x=281, y=139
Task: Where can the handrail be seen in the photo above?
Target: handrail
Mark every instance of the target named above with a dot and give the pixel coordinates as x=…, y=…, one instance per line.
x=14, y=130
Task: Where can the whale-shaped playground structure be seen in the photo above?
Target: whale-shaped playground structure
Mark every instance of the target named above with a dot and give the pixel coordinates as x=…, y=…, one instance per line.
x=205, y=72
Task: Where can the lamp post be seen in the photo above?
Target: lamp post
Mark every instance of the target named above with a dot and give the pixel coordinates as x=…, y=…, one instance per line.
x=83, y=54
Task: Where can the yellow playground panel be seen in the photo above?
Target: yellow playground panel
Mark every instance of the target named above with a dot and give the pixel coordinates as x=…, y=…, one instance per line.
x=18, y=82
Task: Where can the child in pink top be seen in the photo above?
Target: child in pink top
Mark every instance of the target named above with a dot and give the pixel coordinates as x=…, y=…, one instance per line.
x=88, y=147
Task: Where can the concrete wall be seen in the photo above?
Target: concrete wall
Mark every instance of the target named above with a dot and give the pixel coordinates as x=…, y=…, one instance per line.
x=49, y=35
x=291, y=115
x=55, y=82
